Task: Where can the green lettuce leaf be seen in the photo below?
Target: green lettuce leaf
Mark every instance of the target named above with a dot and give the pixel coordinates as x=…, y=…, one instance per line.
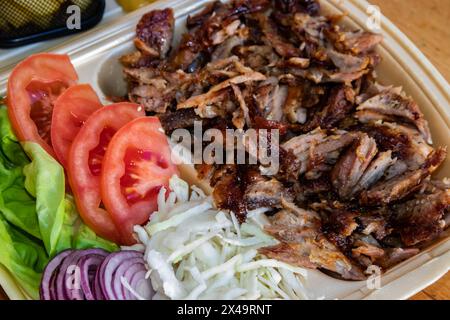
x=16, y=204
x=23, y=256
x=37, y=219
x=45, y=181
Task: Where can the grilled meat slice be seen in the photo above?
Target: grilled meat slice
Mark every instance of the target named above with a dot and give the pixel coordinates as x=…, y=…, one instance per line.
x=375, y=171
x=398, y=187
x=391, y=105
x=293, y=109
x=407, y=146
x=312, y=153
x=225, y=49
x=209, y=29
x=374, y=224
x=273, y=38
x=270, y=97
x=154, y=33
x=228, y=193
x=304, y=245
x=156, y=89
x=298, y=147
x=339, y=224
x=358, y=42
x=352, y=165
x=264, y=193
x=422, y=218
x=311, y=7
x=178, y=119
x=347, y=63
x=337, y=109
x=367, y=250
x=258, y=57
x=205, y=99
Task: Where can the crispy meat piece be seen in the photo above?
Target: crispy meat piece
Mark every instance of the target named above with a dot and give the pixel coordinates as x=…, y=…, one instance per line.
x=406, y=144
x=375, y=171
x=397, y=188
x=178, y=119
x=421, y=219
x=304, y=245
x=270, y=97
x=311, y=7
x=368, y=250
x=293, y=109
x=374, y=224
x=151, y=97
x=241, y=116
x=264, y=193
x=390, y=105
x=336, y=110
x=225, y=49
x=352, y=165
x=198, y=19
x=207, y=98
x=226, y=32
x=243, y=7
x=154, y=33
x=360, y=41
x=228, y=193
x=274, y=39
x=299, y=147
x=210, y=28
x=312, y=152
x=156, y=89
x=258, y=57
x=346, y=63
x=339, y=224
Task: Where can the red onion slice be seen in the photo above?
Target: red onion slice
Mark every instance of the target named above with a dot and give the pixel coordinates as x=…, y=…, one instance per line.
x=48, y=278
x=88, y=268
x=132, y=264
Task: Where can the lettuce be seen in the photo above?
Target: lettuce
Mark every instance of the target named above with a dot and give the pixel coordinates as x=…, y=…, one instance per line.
x=37, y=218
x=16, y=204
x=23, y=256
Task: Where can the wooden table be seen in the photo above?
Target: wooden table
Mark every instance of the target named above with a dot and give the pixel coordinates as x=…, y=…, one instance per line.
x=425, y=22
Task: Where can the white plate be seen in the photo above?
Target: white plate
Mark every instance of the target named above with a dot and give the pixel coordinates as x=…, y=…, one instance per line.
x=94, y=55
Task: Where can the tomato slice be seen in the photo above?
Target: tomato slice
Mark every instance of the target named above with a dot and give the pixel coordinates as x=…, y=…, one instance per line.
x=70, y=112
x=136, y=165
x=85, y=164
x=33, y=86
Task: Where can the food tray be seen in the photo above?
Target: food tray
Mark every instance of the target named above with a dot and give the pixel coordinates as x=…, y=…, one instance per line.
x=94, y=55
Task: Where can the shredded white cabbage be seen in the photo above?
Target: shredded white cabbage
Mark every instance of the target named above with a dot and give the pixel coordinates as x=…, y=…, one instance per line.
x=195, y=251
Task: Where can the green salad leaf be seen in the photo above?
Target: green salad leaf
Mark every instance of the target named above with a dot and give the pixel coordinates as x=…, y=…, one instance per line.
x=37, y=218
x=16, y=204
x=23, y=256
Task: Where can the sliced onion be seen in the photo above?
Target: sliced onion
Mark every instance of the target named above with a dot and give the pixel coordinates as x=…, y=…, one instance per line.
x=135, y=264
x=95, y=274
x=64, y=289
x=46, y=289
x=138, y=283
x=89, y=265
x=130, y=275
x=108, y=268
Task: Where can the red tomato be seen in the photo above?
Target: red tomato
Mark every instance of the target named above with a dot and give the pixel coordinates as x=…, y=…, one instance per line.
x=33, y=86
x=70, y=112
x=136, y=165
x=85, y=164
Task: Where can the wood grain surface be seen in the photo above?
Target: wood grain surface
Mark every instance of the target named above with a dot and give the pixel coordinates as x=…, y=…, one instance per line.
x=426, y=23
